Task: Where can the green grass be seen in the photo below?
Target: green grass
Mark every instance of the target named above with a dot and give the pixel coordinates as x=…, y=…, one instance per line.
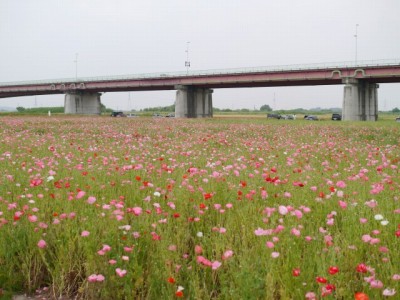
x=122, y=162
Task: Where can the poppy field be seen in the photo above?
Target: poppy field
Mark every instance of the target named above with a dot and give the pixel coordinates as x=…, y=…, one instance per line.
x=141, y=208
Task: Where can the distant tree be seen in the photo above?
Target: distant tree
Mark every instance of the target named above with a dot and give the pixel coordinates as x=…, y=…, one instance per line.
x=20, y=109
x=265, y=107
x=394, y=110
x=170, y=108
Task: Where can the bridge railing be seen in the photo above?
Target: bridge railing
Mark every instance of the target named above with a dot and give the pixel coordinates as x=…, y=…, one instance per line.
x=275, y=68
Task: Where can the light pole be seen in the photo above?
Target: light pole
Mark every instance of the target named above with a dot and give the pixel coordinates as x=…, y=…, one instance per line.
x=129, y=101
x=274, y=103
x=76, y=66
x=187, y=62
x=356, y=36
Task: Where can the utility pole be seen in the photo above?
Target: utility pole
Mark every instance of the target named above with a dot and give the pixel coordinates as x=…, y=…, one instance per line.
x=129, y=101
x=76, y=67
x=356, y=36
x=187, y=62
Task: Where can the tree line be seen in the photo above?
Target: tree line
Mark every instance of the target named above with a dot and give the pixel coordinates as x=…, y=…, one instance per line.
x=171, y=108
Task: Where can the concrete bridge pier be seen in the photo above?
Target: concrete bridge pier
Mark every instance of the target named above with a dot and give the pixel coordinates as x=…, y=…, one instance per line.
x=192, y=102
x=360, y=100
x=82, y=103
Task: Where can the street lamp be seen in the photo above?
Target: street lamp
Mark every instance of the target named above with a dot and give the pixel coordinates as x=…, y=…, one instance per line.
x=187, y=62
x=76, y=66
x=356, y=36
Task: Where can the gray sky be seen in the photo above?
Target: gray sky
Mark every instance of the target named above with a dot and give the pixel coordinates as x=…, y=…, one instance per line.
x=39, y=40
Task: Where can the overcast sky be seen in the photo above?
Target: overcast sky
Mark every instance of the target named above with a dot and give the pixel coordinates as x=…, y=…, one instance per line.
x=40, y=38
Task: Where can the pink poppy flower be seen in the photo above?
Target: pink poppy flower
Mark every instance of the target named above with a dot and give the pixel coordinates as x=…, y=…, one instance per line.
x=295, y=232
x=215, y=265
x=310, y=296
x=120, y=273
x=92, y=278
x=389, y=292
x=96, y=278
x=376, y=284
x=198, y=249
x=283, y=210
x=137, y=211
x=371, y=203
x=32, y=218
x=85, y=233
x=270, y=244
x=341, y=184
x=204, y=261
x=80, y=194
x=227, y=254
x=42, y=244
x=275, y=254
x=91, y=200
x=366, y=238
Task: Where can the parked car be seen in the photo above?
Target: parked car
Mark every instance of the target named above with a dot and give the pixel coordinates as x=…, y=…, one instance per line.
x=288, y=117
x=273, y=116
x=398, y=119
x=156, y=115
x=132, y=115
x=336, y=117
x=117, y=114
x=170, y=116
x=311, y=118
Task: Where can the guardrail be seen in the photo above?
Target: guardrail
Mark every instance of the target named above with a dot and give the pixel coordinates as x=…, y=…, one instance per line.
x=276, y=68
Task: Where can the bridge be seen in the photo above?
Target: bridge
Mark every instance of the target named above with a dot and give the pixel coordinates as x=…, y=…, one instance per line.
x=194, y=89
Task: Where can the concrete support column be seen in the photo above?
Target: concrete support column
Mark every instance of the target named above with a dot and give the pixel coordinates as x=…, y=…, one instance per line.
x=371, y=103
x=82, y=103
x=193, y=102
x=360, y=101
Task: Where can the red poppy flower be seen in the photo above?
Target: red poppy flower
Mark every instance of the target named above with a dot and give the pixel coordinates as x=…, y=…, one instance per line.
x=58, y=185
x=333, y=270
x=179, y=294
x=330, y=287
x=361, y=268
x=296, y=272
x=361, y=296
x=321, y=279
x=171, y=280
x=207, y=196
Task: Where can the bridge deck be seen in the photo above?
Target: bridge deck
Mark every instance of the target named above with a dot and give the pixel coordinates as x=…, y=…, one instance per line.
x=381, y=71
